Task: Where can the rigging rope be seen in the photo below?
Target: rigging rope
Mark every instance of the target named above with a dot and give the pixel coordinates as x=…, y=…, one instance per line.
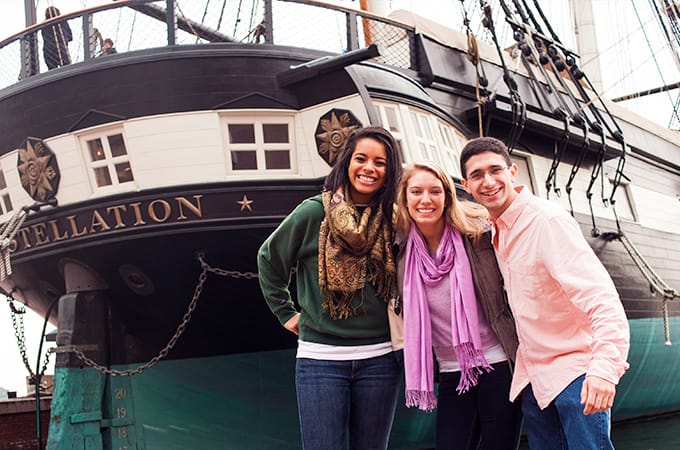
x=519, y=113
x=649, y=44
x=474, y=58
x=7, y=232
x=656, y=283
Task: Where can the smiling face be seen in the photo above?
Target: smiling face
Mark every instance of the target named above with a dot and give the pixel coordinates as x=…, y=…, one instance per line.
x=425, y=199
x=490, y=181
x=367, y=170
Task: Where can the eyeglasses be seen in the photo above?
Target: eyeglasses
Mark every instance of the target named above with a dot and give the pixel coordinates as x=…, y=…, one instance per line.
x=479, y=175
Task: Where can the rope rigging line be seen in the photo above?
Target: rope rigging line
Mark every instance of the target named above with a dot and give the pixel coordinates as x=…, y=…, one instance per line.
x=533, y=50
x=219, y=21
x=656, y=284
x=519, y=113
x=238, y=16
x=577, y=165
x=649, y=44
x=481, y=81
x=546, y=22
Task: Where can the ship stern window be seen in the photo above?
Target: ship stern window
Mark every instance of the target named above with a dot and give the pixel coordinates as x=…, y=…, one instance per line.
x=625, y=208
x=96, y=149
x=102, y=176
x=109, y=160
x=275, y=133
x=423, y=135
x=276, y=159
x=524, y=174
x=243, y=160
x=117, y=145
x=6, y=201
x=241, y=134
x=259, y=143
x=124, y=172
x=390, y=117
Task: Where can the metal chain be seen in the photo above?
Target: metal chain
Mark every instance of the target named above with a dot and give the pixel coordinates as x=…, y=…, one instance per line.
x=205, y=268
x=18, y=324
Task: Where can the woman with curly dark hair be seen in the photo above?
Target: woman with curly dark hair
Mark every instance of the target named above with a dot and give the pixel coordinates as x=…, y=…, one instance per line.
x=340, y=242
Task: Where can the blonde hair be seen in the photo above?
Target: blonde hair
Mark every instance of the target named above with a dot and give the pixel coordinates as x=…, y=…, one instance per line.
x=465, y=216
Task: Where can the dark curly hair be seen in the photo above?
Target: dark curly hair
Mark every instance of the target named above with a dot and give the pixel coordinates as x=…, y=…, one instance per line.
x=339, y=176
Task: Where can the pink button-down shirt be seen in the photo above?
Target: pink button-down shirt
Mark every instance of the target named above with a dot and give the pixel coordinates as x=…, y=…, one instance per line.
x=570, y=320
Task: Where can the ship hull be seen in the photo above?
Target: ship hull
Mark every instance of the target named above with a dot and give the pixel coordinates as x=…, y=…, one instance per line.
x=164, y=338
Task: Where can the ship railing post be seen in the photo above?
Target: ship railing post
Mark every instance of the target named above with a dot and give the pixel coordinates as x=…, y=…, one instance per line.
x=29, y=44
x=268, y=22
x=88, y=41
x=352, y=32
x=170, y=21
x=29, y=56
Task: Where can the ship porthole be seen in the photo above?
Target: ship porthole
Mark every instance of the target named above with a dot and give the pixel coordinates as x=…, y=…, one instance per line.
x=136, y=280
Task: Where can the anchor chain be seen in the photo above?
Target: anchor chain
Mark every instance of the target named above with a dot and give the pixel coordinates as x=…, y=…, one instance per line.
x=18, y=325
x=205, y=268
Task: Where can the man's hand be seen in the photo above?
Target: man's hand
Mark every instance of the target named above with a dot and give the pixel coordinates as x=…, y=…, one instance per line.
x=292, y=324
x=597, y=394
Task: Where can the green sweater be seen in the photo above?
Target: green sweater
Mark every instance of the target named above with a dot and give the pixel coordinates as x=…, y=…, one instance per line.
x=295, y=244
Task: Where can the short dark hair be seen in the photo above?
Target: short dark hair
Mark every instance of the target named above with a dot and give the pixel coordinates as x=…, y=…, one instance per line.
x=108, y=41
x=480, y=145
x=339, y=176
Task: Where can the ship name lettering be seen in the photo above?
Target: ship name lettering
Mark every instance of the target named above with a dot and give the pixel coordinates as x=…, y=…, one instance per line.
x=97, y=221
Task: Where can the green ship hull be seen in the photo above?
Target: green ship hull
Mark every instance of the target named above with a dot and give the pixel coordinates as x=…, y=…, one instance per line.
x=248, y=401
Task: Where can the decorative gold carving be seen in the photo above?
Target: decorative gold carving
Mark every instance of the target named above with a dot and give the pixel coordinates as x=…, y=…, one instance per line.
x=38, y=170
x=332, y=132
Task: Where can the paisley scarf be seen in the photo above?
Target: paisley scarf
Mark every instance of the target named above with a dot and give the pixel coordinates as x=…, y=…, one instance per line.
x=354, y=248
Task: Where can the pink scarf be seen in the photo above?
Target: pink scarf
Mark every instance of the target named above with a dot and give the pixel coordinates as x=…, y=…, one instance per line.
x=420, y=271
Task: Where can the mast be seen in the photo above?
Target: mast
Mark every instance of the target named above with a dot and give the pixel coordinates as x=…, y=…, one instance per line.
x=30, y=13
x=586, y=40
x=379, y=7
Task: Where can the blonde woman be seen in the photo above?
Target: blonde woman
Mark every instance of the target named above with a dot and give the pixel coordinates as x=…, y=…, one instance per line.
x=454, y=308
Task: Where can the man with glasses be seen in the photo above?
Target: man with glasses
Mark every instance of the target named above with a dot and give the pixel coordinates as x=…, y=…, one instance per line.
x=573, y=332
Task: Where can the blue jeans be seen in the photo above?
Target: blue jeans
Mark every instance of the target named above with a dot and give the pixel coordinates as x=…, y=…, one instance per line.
x=562, y=424
x=345, y=403
x=482, y=414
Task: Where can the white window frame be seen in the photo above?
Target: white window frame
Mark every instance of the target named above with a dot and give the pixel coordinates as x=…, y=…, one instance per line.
x=623, y=193
x=517, y=155
x=396, y=129
x=436, y=146
x=260, y=148
x=5, y=196
x=109, y=160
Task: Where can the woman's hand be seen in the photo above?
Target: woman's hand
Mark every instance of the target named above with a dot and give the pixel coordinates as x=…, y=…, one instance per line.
x=292, y=324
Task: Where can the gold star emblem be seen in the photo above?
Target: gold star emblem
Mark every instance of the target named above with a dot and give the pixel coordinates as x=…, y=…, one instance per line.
x=34, y=172
x=245, y=204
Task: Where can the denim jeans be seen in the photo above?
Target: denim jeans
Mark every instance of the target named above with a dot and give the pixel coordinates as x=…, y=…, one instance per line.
x=482, y=414
x=562, y=424
x=345, y=403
